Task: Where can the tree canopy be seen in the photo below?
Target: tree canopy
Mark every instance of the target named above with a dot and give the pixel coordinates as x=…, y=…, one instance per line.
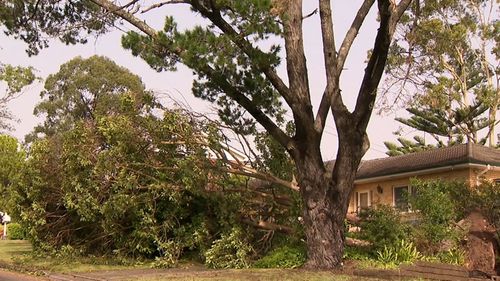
x=83, y=88
x=444, y=64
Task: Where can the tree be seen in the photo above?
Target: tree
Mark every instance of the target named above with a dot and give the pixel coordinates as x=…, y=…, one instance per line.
x=82, y=89
x=236, y=72
x=11, y=162
x=15, y=79
x=113, y=175
x=446, y=57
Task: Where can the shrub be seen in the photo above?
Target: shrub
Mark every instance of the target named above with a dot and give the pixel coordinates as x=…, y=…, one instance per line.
x=283, y=257
x=230, y=251
x=16, y=232
x=357, y=253
x=484, y=198
x=437, y=211
x=382, y=226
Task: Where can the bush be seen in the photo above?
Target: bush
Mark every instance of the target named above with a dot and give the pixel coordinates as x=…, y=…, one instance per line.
x=437, y=211
x=484, y=198
x=16, y=232
x=357, y=253
x=382, y=226
x=230, y=251
x=283, y=257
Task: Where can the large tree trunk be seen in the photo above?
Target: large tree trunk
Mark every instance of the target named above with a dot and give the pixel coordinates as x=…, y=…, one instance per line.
x=326, y=200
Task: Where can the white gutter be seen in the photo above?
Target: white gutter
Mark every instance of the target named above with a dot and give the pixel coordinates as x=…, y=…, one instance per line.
x=427, y=171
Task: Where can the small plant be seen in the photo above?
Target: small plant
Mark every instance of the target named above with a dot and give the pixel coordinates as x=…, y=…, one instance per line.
x=403, y=252
x=452, y=256
x=407, y=252
x=230, y=251
x=283, y=257
x=388, y=257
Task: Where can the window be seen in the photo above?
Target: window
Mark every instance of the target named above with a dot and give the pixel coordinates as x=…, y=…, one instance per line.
x=363, y=200
x=400, y=198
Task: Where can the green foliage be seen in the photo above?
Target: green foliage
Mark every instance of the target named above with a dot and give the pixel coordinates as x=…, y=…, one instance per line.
x=484, y=198
x=403, y=252
x=84, y=89
x=15, y=79
x=407, y=146
x=283, y=257
x=452, y=256
x=11, y=162
x=382, y=226
x=35, y=22
x=437, y=212
x=357, y=253
x=225, y=75
x=16, y=232
x=113, y=177
x=230, y=251
x=445, y=58
x=454, y=124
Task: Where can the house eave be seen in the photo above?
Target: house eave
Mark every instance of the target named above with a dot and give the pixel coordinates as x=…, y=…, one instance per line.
x=425, y=172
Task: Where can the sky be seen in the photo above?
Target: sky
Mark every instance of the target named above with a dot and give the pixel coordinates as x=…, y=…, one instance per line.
x=178, y=84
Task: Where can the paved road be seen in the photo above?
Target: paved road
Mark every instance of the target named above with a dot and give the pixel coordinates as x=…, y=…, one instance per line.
x=13, y=276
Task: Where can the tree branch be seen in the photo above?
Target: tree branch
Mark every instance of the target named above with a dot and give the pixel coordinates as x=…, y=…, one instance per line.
x=353, y=32
x=215, y=17
x=400, y=10
x=330, y=60
x=250, y=172
x=229, y=89
x=376, y=64
x=139, y=24
x=268, y=225
x=158, y=5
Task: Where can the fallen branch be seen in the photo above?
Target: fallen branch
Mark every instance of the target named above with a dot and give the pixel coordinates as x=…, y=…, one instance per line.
x=268, y=226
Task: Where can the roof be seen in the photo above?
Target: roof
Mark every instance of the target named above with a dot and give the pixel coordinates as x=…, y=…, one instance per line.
x=435, y=158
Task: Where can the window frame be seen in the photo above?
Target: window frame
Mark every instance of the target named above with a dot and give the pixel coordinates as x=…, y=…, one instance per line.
x=358, y=194
x=408, y=191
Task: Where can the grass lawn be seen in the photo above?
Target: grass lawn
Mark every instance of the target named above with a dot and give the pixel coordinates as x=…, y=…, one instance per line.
x=13, y=249
x=13, y=254
x=256, y=275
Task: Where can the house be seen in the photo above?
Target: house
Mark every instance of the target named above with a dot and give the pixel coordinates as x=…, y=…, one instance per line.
x=386, y=180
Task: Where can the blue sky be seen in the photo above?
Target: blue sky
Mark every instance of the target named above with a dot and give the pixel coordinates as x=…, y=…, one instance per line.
x=178, y=84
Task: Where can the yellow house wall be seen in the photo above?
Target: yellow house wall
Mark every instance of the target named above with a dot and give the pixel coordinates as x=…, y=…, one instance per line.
x=469, y=175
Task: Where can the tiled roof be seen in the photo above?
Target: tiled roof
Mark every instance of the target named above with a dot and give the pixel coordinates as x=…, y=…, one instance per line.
x=441, y=157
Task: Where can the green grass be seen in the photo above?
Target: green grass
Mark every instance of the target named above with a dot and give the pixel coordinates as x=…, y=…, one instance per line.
x=15, y=255
x=10, y=250
x=255, y=275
